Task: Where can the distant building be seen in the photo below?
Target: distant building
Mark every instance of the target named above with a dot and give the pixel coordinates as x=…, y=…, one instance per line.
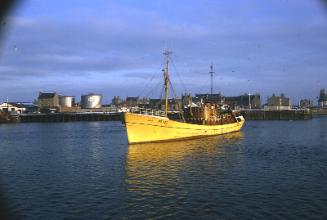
x=187, y=99
x=30, y=107
x=116, y=101
x=173, y=104
x=48, y=101
x=213, y=98
x=243, y=101
x=144, y=101
x=155, y=103
x=305, y=103
x=132, y=101
x=278, y=103
x=322, y=101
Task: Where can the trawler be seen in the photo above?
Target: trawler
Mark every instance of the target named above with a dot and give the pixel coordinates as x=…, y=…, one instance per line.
x=209, y=119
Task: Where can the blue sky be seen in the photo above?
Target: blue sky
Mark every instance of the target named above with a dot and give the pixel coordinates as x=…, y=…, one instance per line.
x=115, y=47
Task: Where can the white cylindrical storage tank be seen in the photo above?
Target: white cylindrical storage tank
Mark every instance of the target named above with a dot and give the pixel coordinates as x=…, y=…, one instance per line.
x=66, y=101
x=91, y=101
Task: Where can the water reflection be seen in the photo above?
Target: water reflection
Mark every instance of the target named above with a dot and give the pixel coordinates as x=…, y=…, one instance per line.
x=161, y=153
x=6, y=211
x=158, y=172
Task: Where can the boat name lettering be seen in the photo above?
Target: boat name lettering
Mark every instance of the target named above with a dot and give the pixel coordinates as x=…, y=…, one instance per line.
x=163, y=121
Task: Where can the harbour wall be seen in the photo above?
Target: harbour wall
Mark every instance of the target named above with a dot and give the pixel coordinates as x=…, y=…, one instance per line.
x=319, y=111
x=7, y=118
x=276, y=115
x=66, y=117
x=92, y=116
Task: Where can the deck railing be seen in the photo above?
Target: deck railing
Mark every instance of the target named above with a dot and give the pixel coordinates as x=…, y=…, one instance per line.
x=146, y=111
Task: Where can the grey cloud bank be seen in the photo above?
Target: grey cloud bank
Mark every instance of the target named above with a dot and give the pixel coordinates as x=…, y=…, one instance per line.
x=276, y=46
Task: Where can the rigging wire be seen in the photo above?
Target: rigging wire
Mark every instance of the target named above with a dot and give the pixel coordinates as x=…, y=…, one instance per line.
x=146, y=86
x=179, y=76
x=151, y=91
x=149, y=82
x=181, y=113
x=161, y=94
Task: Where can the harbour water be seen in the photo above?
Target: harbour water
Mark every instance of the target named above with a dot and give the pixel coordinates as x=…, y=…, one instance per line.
x=86, y=170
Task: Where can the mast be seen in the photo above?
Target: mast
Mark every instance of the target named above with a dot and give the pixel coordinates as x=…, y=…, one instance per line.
x=167, y=53
x=211, y=78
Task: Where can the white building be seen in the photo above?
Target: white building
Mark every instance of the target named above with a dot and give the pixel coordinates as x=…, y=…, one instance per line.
x=12, y=107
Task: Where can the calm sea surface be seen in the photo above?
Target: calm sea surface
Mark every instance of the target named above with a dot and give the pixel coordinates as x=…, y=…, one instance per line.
x=86, y=170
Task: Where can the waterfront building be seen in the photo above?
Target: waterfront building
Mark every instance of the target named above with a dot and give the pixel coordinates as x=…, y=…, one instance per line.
x=18, y=107
x=48, y=102
x=173, y=104
x=132, y=101
x=250, y=101
x=278, y=103
x=322, y=101
x=116, y=101
x=144, y=101
x=213, y=98
x=12, y=107
x=305, y=103
x=155, y=103
x=187, y=99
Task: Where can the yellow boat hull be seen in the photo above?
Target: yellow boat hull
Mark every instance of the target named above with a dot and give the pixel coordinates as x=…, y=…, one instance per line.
x=148, y=128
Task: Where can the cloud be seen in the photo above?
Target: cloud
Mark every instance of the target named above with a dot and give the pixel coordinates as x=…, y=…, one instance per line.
x=256, y=46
